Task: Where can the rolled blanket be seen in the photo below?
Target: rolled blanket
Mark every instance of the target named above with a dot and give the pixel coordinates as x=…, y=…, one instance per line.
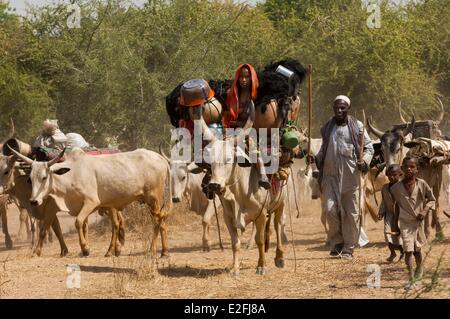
x=424, y=147
x=46, y=154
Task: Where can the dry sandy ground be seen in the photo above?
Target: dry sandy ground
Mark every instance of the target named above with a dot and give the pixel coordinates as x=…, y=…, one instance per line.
x=191, y=273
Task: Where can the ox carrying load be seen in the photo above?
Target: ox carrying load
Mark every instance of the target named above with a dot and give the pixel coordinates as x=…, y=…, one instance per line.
x=275, y=92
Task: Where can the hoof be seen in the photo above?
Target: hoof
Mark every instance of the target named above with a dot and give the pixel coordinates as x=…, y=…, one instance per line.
x=8, y=243
x=261, y=271
x=117, y=252
x=206, y=249
x=85, y=252
x=64, y=252
x=165, y=255
x=235, y=273
x=37, y=253
x=439, y=237
x=108, y=254
x=122, y=237
x=279, y=263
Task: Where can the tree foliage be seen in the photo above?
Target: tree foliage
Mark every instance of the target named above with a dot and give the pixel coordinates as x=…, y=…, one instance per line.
x=107, y=79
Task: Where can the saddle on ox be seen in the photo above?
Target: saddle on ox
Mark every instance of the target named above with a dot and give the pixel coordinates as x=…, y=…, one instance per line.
x=48, y=153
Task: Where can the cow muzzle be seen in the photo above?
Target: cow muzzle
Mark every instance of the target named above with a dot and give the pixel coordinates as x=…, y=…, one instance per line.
x=176, y=199
x=216, y=188
x=34, y=203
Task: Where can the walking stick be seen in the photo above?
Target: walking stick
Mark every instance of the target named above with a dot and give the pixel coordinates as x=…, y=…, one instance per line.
x=361, y=175
x=218, y=225
x=310, y=69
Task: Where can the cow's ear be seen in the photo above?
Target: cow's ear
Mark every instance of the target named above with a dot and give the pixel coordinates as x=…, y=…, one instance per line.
x=194, y=169
x=377, y=147
x=61, y=171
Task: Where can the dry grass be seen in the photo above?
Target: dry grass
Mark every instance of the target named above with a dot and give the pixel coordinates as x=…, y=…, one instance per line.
x=191, y=273
x=3, y=277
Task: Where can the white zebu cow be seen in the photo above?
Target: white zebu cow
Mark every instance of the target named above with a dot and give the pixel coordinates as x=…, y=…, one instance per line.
x=188, y=185
x=14, y=179
x=185, y=184
x=242, y=199
x=82, y=183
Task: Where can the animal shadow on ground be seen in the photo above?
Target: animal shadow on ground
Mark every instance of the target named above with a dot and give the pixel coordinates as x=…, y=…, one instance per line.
x=379, y=244
x=16, y=246
x=187, y=249
x=189, y=271
x=106, y=269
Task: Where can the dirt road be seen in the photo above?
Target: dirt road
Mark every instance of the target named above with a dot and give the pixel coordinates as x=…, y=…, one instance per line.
x=191, y=273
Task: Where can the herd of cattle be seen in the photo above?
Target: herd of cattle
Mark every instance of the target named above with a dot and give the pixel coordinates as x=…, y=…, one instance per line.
x=82, y=184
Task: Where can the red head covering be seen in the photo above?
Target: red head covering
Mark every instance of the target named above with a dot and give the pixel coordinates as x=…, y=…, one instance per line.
x=233, y=98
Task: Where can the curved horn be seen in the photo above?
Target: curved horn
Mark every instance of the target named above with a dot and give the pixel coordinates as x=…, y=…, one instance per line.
x=410, y=127
x=23, y=157
x=400, y=113
x=373, y=129
x=441, y=114
x=13, y=129
x=161, y=151
x=56, y=159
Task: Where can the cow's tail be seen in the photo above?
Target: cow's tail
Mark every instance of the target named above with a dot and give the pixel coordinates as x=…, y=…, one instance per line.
x=169, y=183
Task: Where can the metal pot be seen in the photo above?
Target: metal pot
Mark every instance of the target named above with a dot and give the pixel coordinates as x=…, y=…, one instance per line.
x=195, y=92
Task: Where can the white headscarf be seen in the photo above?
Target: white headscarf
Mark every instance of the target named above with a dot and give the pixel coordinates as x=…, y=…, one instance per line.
x=344, y=98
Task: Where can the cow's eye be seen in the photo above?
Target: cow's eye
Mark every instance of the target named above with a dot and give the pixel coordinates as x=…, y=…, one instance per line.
x=6, y=173
x=44, y=178
x=183, y=178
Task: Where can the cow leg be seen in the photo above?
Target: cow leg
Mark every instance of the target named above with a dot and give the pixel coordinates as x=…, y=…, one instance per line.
x=205, y=237
x=427, y=224
x=23, y=214
x=81, y=226
x=279, y=260
x=114, y=247
x=50, y=236
x=86, y=230
x=44, y=227
x=267, y=234
x=284, y=237
x=235, y=242
x=28, y=225
x=156, y=231
x=436, y=222
x=260, y=224
x=58, y=232
x=121, y=227
x=251, y=241
x=33, y=229
x=206, y=223
x=8, y=241
x=323, y=219
x=40, y=226
x=164, y=237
